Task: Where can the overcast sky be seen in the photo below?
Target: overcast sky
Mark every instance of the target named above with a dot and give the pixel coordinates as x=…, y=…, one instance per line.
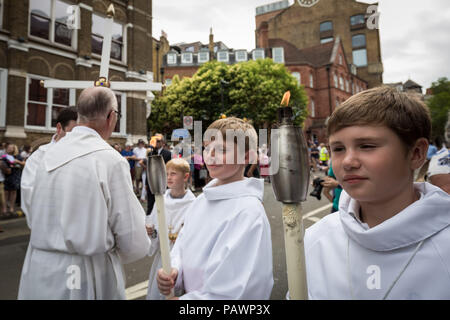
x=415, y=34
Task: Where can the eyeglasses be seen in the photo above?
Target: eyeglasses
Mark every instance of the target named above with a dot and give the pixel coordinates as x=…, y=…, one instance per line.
x=119, y=115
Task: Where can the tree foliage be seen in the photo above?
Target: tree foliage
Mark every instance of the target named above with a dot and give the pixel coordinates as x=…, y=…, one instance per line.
x=439, y=106
x=254, y=91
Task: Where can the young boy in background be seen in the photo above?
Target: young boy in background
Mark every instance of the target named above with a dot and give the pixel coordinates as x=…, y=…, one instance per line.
x=391, y=236
x=224, y=250
x=176, y=200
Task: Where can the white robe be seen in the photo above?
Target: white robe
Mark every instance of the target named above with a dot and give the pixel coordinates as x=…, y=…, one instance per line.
x=174, y=212
x=224, y=250
x=85, y=222
x=28, y=176
x=345, y=259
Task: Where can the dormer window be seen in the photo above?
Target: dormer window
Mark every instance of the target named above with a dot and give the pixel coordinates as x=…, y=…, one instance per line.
x=223, y=56
x=258, y=54
x=171, y=58
x=241, y=55
x=278, y=55
x=203, y=56
x=186, y=58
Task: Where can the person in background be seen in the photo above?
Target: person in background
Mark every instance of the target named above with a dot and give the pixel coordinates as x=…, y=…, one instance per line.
x=4, y=170
x=140, y=152
x=117, y=147
x=12, y=181
x=129, y=155
x=26, y=152
x=3, y=148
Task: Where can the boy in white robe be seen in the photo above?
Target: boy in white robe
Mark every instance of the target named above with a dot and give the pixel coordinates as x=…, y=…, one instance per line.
x=176, y=200
x=224, y=250
x=391, y=236
x=84, y=217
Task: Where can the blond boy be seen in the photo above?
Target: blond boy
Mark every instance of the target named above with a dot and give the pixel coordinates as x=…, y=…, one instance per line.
x=224, y=250
x=391, y=236
x=176, y=200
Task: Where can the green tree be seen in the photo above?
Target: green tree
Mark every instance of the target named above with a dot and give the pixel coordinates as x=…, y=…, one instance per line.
x=254, y=91
x=439, y=105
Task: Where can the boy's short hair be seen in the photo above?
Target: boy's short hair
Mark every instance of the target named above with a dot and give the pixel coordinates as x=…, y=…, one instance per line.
x=403, y=113
x=66, y=115
x=178, y=164
x=237, y=125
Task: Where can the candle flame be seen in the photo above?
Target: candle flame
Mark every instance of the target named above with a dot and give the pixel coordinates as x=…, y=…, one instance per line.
x=286, y=97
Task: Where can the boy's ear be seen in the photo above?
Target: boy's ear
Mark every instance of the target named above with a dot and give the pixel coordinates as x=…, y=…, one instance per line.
x=418, y=153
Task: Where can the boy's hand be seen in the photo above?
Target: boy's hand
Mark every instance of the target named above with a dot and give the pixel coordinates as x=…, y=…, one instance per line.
x=165, y=282
x=149, y=230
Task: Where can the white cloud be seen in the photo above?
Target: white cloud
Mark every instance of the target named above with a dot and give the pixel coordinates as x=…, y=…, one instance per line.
x=414, y=34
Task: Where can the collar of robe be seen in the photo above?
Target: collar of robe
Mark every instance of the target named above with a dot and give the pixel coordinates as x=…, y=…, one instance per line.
x=248, y=187
x=419, y=221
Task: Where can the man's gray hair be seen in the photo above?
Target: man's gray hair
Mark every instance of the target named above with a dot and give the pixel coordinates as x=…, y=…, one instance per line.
x=95, y=103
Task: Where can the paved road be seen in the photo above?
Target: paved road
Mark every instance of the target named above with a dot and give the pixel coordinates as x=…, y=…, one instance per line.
x=14, y=242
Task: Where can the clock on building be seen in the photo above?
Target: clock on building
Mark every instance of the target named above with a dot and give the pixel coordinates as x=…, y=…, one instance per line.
x=307, y=3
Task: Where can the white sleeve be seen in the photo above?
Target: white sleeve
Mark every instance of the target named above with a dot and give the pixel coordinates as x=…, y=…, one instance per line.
x=240, y=263
x=27, y=183
x=153, y=220
x=127, y=217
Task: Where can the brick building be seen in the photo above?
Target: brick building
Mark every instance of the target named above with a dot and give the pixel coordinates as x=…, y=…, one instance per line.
x=36, y=44
x=306, y=27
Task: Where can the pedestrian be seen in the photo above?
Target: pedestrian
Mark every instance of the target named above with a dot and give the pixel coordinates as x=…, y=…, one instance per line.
x=224, y=250
x=315, y=157
x=324, y=157
x=439, y=169
x=84, y=217
x=330, y=184
x=65, y=122
x=12, y=180
x=140, y=152
x=390, y=238
x=264, y=163
x=4, y=170
x=176, y=200
x=128, y=154
x=26, y=152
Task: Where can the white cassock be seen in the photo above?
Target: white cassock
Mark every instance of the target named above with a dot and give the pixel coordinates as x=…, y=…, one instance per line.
x=174, y=210
x=28, y=176
x=85, y=222
x=224, y=250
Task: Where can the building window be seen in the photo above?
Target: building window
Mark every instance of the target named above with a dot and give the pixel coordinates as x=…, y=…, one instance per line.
x=347, y=86
x=203, y=57
x=335, y=78
x=325, y=40
x=297, y=77
x=186, y=58
x=326, y=26
x=337, y=102
x=48, y=19
x=121, y=107
x=3, y=95
x=359, y=50
x=171, y=58
x=98, y=32
x=189, y=49
x=311, y=80
x=340, y=60
x=258, y=54
x=313, y=108
x=357, y=21
x=1, y=14
x=341, y=83
x=222, y=56
x=278, y=55
x=44, y=105
x=241, y=55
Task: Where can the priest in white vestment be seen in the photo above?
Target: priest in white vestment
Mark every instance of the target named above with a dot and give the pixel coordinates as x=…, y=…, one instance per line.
x=84, y=217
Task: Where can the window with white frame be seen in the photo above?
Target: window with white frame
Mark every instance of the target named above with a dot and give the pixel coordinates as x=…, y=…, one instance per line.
x=241, y=55
x=222, y=56
x=347, y=86
x=311, y=80
x=278, y=55
x=326, y=40
x=335, y=78
x=48, y=20
x=313, y=108
x=186, y=58
x=298, y=77
x=203, y=56
x=44, y=105
x=171, y=58
x=258, y=54
x=98, y=32
x=340, y=60
x=359, y=50
x=341, y=83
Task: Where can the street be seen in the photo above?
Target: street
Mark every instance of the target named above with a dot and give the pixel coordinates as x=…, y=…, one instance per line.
x=14, y=242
